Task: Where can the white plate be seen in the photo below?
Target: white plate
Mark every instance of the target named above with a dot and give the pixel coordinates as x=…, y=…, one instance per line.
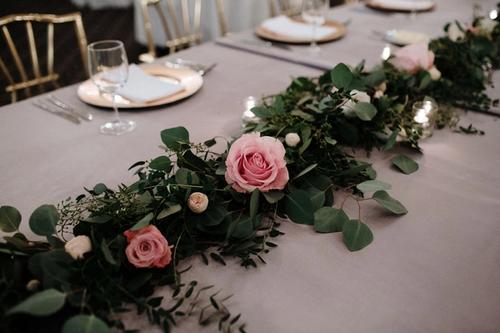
x=191, y=80
x=402, y=5
x=405, y=37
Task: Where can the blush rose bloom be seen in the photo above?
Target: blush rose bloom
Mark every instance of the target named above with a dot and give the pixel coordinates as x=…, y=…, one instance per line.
x=413, y=58
x=256, y=162
x=147, y=248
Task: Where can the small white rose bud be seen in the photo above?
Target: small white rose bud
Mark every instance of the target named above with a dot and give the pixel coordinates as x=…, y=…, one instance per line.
x=381, y=87
x=455, y=33
x=378, y=94
x=78, y=246
x=435, y=73
x=334, y=90
x=292, y=139
x=33, y=285
x=198, y=202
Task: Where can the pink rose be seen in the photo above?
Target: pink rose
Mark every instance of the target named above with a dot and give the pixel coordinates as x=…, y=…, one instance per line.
x=147, y=248
x=255, y=162
x=413, y=57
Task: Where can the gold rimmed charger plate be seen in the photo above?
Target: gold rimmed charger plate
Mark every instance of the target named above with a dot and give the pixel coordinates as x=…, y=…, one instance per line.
x=191, y=80
x=388, y=8
x=272, y=36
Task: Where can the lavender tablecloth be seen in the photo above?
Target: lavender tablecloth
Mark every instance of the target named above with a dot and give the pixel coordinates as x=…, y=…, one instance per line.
x=436, y=269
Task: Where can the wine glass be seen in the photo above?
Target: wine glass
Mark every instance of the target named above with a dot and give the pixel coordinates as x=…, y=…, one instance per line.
x=313, y=12
x=108, y=66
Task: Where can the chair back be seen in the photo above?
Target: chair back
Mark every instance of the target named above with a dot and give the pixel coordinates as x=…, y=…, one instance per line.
x=221, y=16
x=285, y=7
x=179, y=33
x=38, y=79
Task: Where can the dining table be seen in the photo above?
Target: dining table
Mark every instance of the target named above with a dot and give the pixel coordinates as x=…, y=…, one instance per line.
x=435, y=269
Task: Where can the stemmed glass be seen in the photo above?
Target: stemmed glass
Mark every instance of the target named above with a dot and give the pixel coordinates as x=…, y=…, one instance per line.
x=313, y=12
x=108, y=66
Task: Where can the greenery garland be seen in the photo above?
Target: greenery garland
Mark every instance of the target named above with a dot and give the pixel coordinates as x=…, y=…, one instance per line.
x=191, y=201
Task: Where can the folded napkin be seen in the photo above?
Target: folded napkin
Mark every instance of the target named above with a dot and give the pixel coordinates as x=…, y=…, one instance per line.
x=405, y=4
x=142, y=88
x=282, y=25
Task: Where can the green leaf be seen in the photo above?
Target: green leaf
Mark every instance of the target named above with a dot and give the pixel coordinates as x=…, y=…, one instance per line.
x=144, y=222
x=329, y=219
x=391, y=141
x=305, y=171
x=405, y=164
x=107, y=253
x=373, y=186
x=254, y=203
x=169, y=211
x=212, y=216
x=273, y=196
x=317, y=198
x=356, y=235
x=371, y=173
x=175, y=137
x=43, y=303
x=10, y=218
x=304, y=115
x=186, y=177
x=43, y=220
x=341, y=76
x=98, y=219
x=85, y=324
x=330, y=141
x=365, y=111
x=99, y=189
x=161, y=163
x=261, y=112
x=210, y=143
x=375, y=78
x=279, y=106
x=299, y=208
x=243, y=228
x=389, y=203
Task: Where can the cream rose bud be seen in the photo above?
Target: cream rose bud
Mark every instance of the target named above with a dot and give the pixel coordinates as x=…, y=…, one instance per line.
x=198, y=202
x=33, y=285
x=381, y=87
x=378, y=94
x=435, y=73
x=78, y=246
x=292, y=139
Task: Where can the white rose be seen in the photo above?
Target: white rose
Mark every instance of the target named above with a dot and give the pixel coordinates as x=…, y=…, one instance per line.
x=357, y=96
x=455, y=33
x=292, y=139
x=487, y=25
x=435, y=73
x=198, y=202
x=78, y=246
x=381, y=87
x=378, y=94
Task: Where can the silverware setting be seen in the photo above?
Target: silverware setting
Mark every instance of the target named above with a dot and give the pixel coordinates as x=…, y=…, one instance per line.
x=261, y=43
x=53, y=99
x=197, y=67
x=58, y=112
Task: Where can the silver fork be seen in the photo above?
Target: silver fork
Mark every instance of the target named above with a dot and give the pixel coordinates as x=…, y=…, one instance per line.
x=68, y=116
x=66, y=107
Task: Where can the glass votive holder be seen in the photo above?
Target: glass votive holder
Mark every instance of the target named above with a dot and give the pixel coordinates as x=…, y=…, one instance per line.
x=424, y=114
x=248, y=116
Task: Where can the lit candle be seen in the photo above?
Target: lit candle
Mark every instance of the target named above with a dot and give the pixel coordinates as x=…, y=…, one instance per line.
x=424, y=115
x=248, y=116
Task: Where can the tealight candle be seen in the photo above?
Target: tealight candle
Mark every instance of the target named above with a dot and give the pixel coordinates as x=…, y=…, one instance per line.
x=424, y=112
x=248, y=116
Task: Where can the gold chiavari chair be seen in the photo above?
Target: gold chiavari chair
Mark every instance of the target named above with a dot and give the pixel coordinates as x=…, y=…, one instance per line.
x=25, y=83
x=285, y=7
x=221, y=16
x=177, y=36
